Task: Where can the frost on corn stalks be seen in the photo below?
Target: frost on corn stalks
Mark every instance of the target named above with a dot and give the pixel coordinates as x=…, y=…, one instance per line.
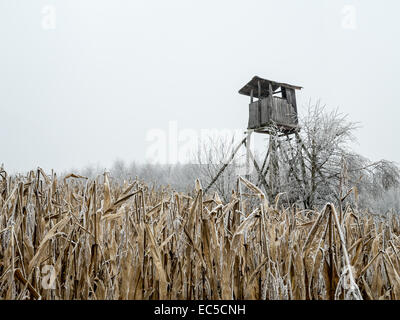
x=347, y=286
x=118, y=241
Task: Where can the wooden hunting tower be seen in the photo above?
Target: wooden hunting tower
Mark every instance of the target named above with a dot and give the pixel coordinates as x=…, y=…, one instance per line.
x=273, y=113
x=275, y=106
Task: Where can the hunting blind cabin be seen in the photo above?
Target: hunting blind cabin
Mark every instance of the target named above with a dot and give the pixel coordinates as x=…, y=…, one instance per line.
x=275, y=106
x=272, y=111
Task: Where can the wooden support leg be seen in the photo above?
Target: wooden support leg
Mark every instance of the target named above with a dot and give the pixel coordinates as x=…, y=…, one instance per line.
x=262, y=171
x=273, y=166
x=248, y=151
x=225, y=165
x=260, y=174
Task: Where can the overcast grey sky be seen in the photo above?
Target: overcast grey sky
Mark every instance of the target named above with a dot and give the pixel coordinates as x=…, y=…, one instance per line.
x=85, y=83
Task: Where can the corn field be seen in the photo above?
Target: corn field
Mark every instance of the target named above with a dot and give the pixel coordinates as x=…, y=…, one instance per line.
x=77, y=238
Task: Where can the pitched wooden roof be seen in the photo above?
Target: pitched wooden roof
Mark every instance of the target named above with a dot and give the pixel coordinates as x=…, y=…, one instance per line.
x=253, y=84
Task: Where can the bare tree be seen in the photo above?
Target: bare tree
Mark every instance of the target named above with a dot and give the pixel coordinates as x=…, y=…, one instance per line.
x=318, y=165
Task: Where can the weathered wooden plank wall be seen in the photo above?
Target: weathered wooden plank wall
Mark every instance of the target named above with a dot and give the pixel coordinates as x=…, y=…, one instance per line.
x=267, y=110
